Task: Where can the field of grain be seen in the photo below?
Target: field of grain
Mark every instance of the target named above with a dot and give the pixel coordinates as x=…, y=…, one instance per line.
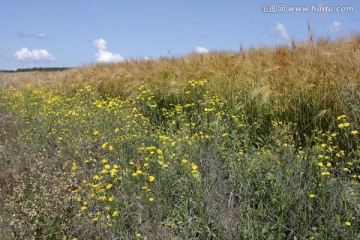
x=257, y=144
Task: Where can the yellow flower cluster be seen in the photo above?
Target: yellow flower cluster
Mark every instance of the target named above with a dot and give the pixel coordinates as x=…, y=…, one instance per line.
x=121, y=153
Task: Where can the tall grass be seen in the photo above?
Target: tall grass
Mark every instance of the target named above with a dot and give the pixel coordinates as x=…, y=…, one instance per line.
x=306, y=84
x=259, y=144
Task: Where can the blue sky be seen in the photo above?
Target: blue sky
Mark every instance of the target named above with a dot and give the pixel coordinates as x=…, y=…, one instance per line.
x=54, y=33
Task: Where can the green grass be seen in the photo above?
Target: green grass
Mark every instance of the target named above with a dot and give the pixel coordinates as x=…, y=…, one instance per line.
x=220, y=150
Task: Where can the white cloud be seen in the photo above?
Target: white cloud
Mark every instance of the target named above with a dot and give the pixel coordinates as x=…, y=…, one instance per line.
x=27, y=35
x=100, y=44
x=108, y=57
x=335, y=27
x=41, y=35
x=281, y=31
x=201, y=50
x=103, y=56
x=36, y=55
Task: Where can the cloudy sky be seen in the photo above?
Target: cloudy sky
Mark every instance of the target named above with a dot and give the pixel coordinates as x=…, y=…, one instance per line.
x=64, y=33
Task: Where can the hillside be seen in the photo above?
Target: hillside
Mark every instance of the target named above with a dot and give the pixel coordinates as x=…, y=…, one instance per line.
x=307, y=83
x=257, y=144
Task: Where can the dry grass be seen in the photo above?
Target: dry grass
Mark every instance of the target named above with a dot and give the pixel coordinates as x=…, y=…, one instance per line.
x=305, y=84
x=284, y=69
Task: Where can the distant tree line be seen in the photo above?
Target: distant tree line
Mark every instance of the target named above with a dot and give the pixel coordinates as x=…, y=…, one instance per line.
x=40, y=69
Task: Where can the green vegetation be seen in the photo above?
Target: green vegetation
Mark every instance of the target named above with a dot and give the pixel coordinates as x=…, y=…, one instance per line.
x=40, y=69
x=260, y=144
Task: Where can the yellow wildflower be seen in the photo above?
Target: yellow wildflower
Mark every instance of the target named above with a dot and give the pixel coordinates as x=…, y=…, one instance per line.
x=341, y=117
x=104, y=145
x=73, y=167
x=151, y=178
x=102, y=198
x=113, y=171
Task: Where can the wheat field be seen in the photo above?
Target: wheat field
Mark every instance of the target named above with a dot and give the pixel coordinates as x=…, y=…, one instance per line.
x=262, y=143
